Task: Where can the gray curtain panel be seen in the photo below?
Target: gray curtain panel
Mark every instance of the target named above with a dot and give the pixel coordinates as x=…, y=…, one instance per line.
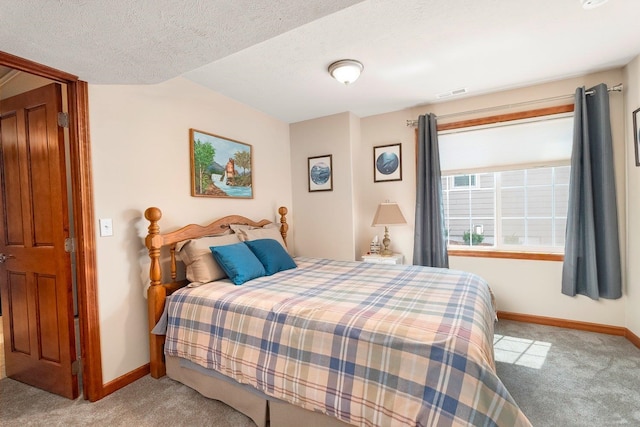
x=592, y=250
x=430, y=245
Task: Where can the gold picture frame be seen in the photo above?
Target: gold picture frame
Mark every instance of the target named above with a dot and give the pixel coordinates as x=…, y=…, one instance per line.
x=220, y=167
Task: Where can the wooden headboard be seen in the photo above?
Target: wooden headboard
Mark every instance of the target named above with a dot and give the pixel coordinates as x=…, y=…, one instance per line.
x=158, y=291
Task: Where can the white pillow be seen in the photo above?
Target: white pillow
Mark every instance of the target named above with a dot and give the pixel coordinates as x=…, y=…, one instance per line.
x=197, y=257
x=261, y=233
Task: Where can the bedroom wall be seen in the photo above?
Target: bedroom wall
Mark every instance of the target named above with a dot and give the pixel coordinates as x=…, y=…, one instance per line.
x=140, y=149
x=378, y=130
x=324, y=219
x=521, y=286
x=355, y=136
x=632, y=91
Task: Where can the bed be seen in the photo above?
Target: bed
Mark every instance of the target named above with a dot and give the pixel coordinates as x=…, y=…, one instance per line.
x=328, y=343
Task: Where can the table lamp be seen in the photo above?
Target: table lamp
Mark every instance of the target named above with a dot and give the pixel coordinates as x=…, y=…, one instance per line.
x=388, y=214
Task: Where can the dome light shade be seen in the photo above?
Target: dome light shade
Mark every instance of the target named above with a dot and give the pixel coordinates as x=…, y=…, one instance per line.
x=346, y=70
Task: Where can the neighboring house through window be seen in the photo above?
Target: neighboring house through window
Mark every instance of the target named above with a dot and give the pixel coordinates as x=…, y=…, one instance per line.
x=506, y=185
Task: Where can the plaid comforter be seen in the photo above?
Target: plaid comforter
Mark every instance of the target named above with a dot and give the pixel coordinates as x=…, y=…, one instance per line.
x=370, y=344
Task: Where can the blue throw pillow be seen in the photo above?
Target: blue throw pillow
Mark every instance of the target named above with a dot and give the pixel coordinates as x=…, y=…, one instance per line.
x=271, y=254
x=238, y=262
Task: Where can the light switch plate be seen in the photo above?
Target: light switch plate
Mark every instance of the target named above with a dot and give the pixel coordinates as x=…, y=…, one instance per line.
x=106, y=227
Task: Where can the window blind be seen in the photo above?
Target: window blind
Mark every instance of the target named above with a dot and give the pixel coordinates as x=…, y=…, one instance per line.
x=511, y=145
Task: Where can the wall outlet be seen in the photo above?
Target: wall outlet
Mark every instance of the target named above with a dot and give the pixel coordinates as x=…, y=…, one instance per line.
x=106, y=227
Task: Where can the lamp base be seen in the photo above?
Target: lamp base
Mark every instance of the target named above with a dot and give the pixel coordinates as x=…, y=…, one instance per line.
x=385, y=243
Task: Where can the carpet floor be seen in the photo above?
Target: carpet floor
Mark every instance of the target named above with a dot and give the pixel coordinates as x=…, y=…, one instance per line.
x=145, y=403
x=559, y=377
x=578, y=379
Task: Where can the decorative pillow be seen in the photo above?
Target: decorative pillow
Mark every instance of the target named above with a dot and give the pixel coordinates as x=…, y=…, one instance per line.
x=238, y=262
x=200, y=265
x=272, y=255
x=261, y=233
x=237, y=227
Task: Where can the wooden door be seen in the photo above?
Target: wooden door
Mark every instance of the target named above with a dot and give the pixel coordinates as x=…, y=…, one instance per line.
x=35, y=275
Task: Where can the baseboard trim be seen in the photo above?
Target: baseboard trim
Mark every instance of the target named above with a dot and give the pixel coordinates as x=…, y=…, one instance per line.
x=635, y=340
x=572, y=324
x=124, y=380
x=564, y=323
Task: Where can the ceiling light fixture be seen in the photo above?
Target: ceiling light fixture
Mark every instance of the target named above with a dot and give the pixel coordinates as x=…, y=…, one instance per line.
x=591, y=4
x=346, y=70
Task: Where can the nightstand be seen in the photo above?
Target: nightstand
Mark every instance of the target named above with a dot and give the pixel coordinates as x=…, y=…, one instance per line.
x=379, y=259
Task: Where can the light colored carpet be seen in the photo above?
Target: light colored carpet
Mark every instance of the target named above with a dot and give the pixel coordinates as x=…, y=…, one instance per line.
x=584, y=379
x=146, y=402
x=587, y=379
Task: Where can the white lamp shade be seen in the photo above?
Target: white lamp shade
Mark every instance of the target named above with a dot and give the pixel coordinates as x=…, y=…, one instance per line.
x=388, y=214
x=346, y=71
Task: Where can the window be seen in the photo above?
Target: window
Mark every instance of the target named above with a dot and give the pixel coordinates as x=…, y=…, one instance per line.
x=514, y=210
x=506, y=187
x=464, y=181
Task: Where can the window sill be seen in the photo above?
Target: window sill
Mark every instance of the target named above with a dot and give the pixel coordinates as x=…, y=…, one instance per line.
x=535, y=256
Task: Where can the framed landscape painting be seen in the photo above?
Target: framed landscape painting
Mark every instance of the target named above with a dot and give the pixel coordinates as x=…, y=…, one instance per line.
x=220, y=167
x=387, y=163
x=320, y=173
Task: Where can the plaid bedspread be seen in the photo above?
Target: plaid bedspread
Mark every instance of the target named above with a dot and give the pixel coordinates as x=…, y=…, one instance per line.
x=370, y=344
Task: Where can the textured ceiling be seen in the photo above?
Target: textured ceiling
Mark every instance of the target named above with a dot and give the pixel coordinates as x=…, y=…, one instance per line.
x=145, y=41
x=274, y=55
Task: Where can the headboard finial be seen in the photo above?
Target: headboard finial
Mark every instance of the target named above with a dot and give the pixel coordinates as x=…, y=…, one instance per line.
x=284, y=227
x=153, y=214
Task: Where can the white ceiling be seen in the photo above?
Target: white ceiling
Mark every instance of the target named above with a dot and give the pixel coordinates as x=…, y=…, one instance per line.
x=273, y=55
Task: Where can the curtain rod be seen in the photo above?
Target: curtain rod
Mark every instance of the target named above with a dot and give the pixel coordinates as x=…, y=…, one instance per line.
x=616, y=88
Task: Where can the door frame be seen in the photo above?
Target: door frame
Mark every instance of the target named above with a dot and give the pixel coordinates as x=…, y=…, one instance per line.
x=83, y=219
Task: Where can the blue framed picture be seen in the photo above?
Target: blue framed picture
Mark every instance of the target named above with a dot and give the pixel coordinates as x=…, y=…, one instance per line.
x=320, y=173
x=387, y=163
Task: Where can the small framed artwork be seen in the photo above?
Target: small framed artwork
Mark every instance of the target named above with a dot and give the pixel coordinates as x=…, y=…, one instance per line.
x=636, y=136
x=387, y=163
x=320, y=173
x=220, y=167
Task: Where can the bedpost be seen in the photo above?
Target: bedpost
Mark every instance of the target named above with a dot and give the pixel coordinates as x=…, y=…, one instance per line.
x=284, y=227
x=156, y=294
x=153, y=215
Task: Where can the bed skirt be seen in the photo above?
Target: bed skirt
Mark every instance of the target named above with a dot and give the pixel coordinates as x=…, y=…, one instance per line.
x=262, y=409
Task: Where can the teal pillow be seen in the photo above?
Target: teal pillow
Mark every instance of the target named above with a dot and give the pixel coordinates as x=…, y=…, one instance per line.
x=271, y=254
x=238, y=262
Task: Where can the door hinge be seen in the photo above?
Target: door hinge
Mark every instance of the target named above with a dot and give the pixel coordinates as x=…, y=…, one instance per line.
x=76, y=366
x=63, y=120
x=70, y=244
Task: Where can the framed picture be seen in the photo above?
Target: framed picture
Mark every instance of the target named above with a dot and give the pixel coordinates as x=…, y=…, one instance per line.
x=320, y=173
x=387, y=163
x=220, y=167
x=636, y=136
